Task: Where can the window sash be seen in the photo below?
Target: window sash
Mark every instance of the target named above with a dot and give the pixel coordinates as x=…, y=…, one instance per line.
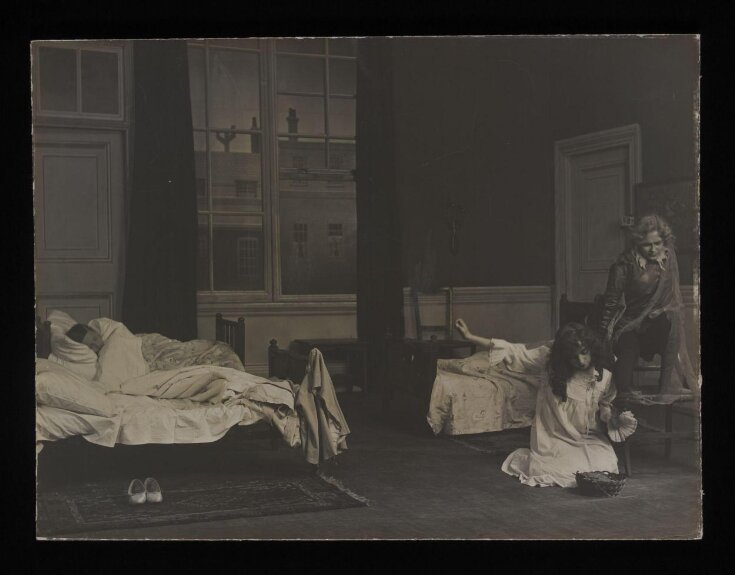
x=270, y=174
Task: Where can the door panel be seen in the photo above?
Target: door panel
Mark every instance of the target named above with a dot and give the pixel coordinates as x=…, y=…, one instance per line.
x=598, y=202
x=78, y=198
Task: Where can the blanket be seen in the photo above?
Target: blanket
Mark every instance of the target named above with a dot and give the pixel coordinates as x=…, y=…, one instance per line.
x=160, y=352
x=488, y=391
x=211, y=384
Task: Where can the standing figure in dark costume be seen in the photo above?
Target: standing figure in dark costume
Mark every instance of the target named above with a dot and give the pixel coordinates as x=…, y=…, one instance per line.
x=643, y=310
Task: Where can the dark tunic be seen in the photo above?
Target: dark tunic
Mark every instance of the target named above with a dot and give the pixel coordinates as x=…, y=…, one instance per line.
x=633, y=288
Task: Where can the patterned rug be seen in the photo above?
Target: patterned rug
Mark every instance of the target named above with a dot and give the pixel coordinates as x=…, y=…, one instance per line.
x=104, y=505
x=497, y=442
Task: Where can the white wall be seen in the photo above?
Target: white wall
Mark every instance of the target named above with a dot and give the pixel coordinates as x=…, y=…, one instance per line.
x=514, y=313
x=283, y=322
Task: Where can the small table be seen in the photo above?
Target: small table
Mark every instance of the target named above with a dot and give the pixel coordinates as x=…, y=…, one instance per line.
x=412, y=364
x=353, y=349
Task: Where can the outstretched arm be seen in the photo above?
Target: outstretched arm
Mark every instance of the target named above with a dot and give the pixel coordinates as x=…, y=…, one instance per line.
x=465, y=332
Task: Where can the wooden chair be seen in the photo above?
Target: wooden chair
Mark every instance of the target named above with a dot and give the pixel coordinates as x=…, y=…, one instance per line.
x=433, y=330
x=586, y=313
x=232, y=333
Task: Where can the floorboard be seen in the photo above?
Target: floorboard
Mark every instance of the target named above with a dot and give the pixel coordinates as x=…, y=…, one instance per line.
x=424, y=487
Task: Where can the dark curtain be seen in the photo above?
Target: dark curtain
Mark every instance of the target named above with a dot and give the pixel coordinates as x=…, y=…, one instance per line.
x=379, y=265
x=160, y=276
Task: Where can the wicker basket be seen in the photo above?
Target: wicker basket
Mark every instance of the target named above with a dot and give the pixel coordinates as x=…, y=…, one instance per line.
x=598, y=483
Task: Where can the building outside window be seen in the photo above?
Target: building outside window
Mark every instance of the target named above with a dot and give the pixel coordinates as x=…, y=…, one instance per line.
x=274, y=133
x=300, y=237
x=334, y=236
x=246, y=188
x=247, y=258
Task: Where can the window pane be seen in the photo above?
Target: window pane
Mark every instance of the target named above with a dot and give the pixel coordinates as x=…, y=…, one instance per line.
x=301, y=153
x=236, y=172
x=58, y=79
x=305, y=46
x=100, y=82
x=234, y=98
x=300, y=114
x=203, y=254
x=238, y=253
x=343, y=46
x=342, y=77
x=300, y=74
x=196, y=86
x=342, y=154
x=200, y=170
x=341, y=117
x=318, y=242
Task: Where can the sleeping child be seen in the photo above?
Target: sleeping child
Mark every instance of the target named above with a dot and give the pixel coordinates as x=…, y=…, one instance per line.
x=87, y=335
x=573, y=406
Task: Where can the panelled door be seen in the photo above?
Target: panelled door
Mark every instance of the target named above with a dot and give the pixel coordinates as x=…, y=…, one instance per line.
x=595, y=177
x=79, y=182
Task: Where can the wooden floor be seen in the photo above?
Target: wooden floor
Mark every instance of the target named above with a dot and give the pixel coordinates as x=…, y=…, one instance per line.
x=423, y=487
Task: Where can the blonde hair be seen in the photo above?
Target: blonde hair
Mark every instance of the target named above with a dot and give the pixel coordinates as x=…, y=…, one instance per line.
x=652, y=223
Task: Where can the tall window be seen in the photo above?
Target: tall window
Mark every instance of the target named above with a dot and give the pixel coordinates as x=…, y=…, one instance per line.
x=274, y=132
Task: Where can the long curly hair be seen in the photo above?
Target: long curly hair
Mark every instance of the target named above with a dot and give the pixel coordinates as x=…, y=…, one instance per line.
x=569, y=341
x=652, y=223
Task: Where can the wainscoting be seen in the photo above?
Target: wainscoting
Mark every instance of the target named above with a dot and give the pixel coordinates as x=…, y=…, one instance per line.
x=516, y=313
x=283, y=321
x=520, y=313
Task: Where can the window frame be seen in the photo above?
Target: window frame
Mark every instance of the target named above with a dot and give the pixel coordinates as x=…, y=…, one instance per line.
x=272, y=293
x=79, y=115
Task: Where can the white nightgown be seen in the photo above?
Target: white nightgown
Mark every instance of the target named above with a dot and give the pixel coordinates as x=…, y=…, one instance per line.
x=566, y=436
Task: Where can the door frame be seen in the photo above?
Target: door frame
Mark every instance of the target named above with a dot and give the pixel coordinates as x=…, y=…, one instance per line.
x=565, y=151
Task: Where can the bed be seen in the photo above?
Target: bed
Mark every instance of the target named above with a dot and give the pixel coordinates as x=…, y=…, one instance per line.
x=490, y=390
x=150, y=389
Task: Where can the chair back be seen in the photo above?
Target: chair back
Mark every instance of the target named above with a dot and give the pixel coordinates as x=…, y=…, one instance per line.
x=586, y=313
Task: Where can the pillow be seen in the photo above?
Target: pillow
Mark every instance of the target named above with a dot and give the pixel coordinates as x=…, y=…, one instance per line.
x=120, y=359
x=61, y=319
x=59, y=387
x=71, y=354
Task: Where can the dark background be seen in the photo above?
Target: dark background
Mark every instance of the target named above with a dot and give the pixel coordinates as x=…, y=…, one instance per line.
x=476, y=121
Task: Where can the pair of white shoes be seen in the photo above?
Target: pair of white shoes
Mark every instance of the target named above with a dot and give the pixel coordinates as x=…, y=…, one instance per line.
x=139, y=492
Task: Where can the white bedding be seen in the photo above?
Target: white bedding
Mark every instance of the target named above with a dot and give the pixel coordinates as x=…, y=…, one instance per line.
x=488, y=391
x=140, y=420
x=196, y=402
x=192, y=404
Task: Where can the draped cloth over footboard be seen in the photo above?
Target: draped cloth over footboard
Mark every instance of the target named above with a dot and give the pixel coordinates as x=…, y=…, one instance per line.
x=323, y=426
